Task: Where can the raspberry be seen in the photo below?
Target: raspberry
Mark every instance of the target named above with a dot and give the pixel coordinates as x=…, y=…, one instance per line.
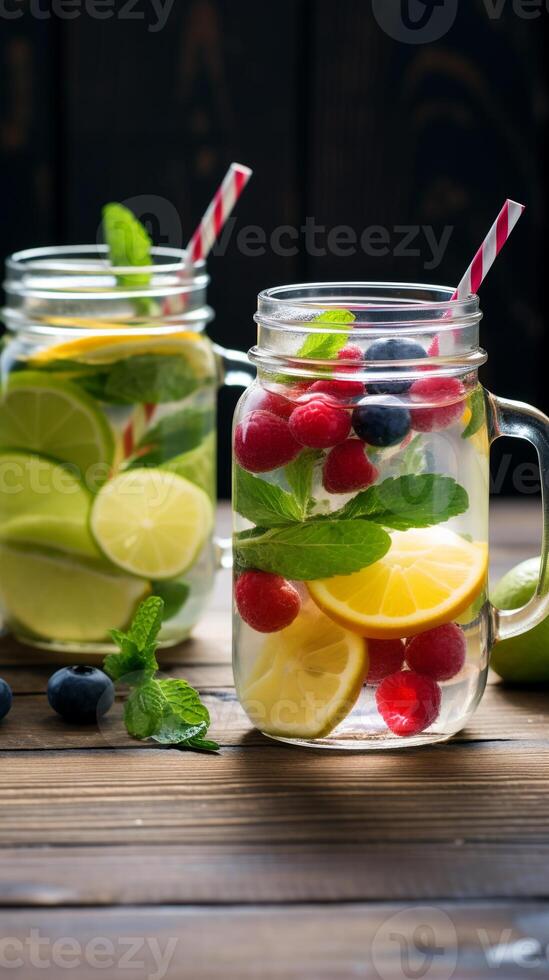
x=449, y=391
x=263, y=441
x=320, y=423
x=266, y=602
x=386, y=657
x=347, y=468
x=350, y=353
x=438, y=653
x=408, y=702
x=269, y=401
x=339, y=389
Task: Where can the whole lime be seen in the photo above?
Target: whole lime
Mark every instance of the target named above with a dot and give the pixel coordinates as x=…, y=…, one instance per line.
x=523, y=659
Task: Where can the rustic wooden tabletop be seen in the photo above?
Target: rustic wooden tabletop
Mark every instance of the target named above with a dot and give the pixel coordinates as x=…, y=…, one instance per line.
x=267, y=861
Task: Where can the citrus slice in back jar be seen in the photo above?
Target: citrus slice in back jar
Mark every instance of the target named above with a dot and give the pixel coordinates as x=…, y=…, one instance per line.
x=151, y=523
x=47, y=415
x=428, y=577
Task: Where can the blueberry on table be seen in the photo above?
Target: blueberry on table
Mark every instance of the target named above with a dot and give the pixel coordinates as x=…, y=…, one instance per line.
x=80, y=694
x=381, y=424
x=393, y=349
x=5, y=698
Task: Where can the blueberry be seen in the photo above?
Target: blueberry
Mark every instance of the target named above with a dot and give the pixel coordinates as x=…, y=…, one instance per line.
x=381, y=424
x=393, y=349
x=5, y=698
x=80, y=694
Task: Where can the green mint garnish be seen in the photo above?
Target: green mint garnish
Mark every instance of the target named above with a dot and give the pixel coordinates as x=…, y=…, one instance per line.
x=408, y=501
x=128, y=243
x=263, y=503
x=316, y=549
x=299, y=475
x=478, y=413
x=308, y=548
x=168, y=711
x=319, y=346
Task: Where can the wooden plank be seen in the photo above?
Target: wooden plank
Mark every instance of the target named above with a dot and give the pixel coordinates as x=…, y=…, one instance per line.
x=251, y=873
x=331, y=942
x=505, y=714
x=492, y=791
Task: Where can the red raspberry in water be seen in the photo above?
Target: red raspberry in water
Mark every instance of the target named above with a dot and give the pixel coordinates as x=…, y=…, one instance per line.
x=269, y=401
x=320, y=423
x=438, y=653
x=344, y=390
x=449, y=392
x=350, y=353
x=263, y=441
x=408, y=702
x=267, y=603
x=348, y=468
x=385, y=657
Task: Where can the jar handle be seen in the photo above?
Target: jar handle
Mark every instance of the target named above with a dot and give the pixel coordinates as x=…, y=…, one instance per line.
x=521, y=421
x=234, y=370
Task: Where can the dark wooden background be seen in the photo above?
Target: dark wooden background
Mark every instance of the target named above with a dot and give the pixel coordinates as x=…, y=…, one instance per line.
x=339, y=122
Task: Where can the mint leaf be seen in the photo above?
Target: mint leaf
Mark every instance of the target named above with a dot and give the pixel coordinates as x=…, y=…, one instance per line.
x=407, y=502
x=172, y=436
x=477, y=406
x=261, y=502
x=146, y=623
x=320, y=346
x=128, y=243
x=174, y=594
x=168, y=711
x=410, y=461
x=299, y=474
x=149, y=378
x=136, y=659
x=317, y=549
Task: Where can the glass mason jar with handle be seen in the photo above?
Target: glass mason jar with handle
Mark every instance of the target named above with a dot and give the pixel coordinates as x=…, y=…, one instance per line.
x=107, y=445
x=361, y=497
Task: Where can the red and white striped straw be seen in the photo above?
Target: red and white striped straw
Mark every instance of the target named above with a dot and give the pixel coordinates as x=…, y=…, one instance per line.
x=485, y=257
x=220, y=207
x=490, y=249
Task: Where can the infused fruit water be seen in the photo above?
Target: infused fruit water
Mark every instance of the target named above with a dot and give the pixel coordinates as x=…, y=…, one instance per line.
x=361, y=499
x=107, y=463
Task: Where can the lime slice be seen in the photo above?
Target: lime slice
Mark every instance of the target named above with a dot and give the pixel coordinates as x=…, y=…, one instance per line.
x=46, y=415
x=151, y=523
x=197, y=465
x=42, y=503
x=59, y=598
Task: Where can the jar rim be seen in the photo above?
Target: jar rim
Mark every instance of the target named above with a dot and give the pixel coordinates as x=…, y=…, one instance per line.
x=64, y=259
x=300, y=299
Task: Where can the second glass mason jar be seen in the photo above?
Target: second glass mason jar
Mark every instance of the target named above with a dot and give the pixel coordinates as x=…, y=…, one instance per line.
x=107, y=445
x=361, y=493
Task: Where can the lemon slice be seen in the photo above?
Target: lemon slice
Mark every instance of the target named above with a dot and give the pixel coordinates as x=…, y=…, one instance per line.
x=151, y=523
x=107, y=348
x=428, y=577
x=306, y=679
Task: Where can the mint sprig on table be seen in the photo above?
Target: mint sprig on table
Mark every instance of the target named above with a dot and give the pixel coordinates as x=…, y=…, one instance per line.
x=169, y=711
x=345, y=541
